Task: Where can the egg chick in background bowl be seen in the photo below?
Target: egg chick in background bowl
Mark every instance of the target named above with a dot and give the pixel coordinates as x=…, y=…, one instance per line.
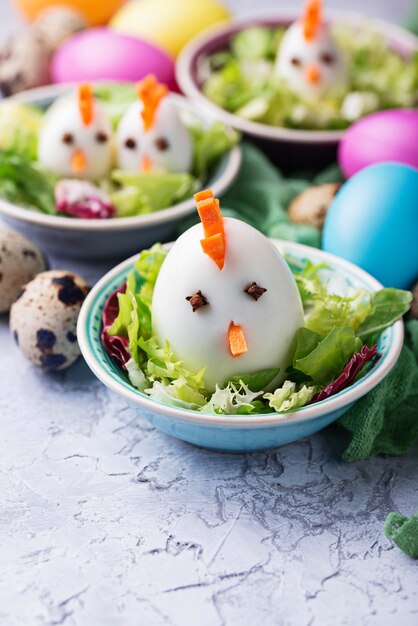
x=75, y=138
x=151, y=136
x=308, y=58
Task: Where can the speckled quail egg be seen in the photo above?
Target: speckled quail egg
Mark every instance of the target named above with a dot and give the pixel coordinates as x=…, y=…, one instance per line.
x=43, y=319
x=56, y=24
x=24, y=63
x=20, y=261
x=310, y=207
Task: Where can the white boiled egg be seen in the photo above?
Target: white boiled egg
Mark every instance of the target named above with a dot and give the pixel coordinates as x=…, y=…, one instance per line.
x=165, y=146
x=308, y=58
x=75, y=140
x=268, y=313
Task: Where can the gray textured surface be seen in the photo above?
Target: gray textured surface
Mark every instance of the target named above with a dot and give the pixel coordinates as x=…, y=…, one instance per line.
x=104, y=521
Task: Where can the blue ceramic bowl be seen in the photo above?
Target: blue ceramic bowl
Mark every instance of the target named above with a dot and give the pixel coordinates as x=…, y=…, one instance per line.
x=238, y=433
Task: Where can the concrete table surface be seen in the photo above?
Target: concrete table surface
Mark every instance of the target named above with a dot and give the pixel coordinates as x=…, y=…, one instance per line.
x=107, y=522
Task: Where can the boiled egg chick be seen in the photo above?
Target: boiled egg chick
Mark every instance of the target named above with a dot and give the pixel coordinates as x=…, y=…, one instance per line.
x=75, y=140
x=308, y=58
x=151, y=136
x=225, y=299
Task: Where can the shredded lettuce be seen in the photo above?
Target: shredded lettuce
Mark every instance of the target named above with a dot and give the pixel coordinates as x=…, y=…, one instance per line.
x=242, y=81
x=329, y=353
x=289, y=396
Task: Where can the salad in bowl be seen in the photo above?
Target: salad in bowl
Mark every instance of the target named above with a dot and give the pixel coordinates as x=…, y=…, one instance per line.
x=276, y=76
x=108, y=152
x=222, y=324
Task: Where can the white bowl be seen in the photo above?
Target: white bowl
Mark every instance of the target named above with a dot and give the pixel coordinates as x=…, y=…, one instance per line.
x=116, y=237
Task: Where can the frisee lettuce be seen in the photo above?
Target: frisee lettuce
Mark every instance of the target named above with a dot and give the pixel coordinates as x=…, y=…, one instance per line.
x=290, y=396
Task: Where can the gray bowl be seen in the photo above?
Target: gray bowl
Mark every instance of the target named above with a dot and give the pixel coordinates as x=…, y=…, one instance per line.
x=116, y=237
x=286, y=147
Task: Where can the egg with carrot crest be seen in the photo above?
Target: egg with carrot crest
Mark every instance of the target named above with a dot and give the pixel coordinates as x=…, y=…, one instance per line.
x=308, y=59
x=225, y=300
x=75, y=140
x=151, y=135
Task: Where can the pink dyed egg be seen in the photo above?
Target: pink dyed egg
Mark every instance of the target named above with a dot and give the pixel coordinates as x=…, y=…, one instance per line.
x=101, y=54
x=384, y=136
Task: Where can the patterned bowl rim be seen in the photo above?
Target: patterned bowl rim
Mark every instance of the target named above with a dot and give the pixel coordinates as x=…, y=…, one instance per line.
x=222, y=178
x=88, y=333
x=188, y=59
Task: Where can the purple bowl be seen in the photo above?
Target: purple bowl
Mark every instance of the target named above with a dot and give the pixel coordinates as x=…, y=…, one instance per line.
x=288, y=148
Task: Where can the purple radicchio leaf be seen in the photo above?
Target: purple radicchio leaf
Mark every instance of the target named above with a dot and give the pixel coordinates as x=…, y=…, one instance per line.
x=349, y=373
x=79, y=198
x=116, y=345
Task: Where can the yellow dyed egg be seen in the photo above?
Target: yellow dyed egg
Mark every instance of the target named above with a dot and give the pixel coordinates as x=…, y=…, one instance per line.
x=168, y=23
x=95, y=12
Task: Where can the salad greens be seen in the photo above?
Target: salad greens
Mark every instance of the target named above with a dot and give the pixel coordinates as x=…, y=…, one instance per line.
x=327, y=358
x=241, y=80
x=23, y=182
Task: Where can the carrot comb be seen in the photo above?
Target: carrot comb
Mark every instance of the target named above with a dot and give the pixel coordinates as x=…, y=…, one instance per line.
x=312, y=19
x=85, y=103
x=213, y=226
x=150, y=92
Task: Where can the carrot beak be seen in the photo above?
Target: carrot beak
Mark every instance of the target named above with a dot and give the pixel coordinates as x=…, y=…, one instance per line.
x=312, y=74
x=146, y=163
x=236, y=338
x=78, y=161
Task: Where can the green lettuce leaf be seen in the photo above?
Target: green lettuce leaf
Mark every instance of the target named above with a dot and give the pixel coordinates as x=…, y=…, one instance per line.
x=24, y=182
x=256, y=381
x=20, y=125
x=323, y=359
x=289, y=396
x=154, y=190
x=333, y=310
x=208, y=146
x=386, y=306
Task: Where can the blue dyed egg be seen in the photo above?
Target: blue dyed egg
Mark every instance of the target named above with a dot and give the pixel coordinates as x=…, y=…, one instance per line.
x=373, y=222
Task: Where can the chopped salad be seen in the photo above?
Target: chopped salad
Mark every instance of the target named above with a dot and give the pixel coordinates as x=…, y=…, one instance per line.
x=253, y=81
x=72, y=159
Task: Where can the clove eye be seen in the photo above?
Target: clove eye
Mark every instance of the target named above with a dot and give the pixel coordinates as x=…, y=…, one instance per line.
x=255, y=291
x=68, y=139
x=130, y=143
x=326, y=58
x=162, y=144
x=197, y=300
x=101, y=137
x=296, y=61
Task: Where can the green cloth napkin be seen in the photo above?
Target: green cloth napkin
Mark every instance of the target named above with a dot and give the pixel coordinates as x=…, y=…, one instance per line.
x=404, y=532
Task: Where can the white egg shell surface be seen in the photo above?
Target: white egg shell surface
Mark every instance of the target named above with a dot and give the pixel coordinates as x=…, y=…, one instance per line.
x=200, y=338
x=297, y=54
x=64, y=119
x=44, y=318
x=167, y=143
x=20, y=261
